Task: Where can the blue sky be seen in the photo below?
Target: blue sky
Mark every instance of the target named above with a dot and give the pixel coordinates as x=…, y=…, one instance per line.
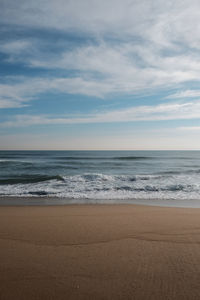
x=99, y=74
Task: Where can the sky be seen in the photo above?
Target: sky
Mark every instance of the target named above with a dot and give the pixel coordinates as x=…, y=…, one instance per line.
x=99, y=75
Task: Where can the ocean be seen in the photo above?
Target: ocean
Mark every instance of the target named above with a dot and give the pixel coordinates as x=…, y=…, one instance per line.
x=105, y=176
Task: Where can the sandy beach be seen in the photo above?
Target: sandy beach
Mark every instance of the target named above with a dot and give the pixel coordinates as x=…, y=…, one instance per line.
x=99, y=252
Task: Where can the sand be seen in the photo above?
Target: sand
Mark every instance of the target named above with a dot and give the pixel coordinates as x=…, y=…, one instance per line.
x=99, y=252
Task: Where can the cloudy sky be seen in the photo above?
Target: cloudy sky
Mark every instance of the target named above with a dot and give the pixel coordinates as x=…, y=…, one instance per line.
x=94, y=74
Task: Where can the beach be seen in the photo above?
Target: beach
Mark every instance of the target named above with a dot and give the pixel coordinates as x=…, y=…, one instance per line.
x=99, y=252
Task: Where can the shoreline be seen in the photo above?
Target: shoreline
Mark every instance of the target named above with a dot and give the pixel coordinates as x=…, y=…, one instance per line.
x=56, y=201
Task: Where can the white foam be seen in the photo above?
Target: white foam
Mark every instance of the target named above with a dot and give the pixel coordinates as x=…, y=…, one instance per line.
x=102, y=186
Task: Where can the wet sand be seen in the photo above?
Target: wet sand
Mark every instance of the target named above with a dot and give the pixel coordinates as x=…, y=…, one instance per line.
x=99, y=252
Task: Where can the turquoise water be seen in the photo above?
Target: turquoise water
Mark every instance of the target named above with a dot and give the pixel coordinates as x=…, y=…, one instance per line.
x=101, y=174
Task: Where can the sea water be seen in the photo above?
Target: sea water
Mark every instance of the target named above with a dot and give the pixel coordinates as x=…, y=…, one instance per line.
x=102, y=175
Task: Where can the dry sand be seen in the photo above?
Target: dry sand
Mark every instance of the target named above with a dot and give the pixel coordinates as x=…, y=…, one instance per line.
x=99, y=252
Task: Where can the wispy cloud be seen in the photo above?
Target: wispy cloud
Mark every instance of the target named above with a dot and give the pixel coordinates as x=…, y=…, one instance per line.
x=189, y=128
x=137, y=46
x=126, y=67
x=18, y=94
x=172, y=111
x=160, y=21
x=112, y=49
x=15, y=46
x=105, y=69
x=184, y=94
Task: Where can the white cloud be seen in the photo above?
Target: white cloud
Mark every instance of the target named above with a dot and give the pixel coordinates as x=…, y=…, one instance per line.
x=157, y=20
x=10, y=104
x=127, y=67
x=185, y=94
x=189, y=128
x=157, y=43
x=161, y=22
x=157, y=47
x=131, y=47
x=107, y=69
x=172, y=111
x=90, y=15
x=15, y=47
x=18, y=50
x=21, y=93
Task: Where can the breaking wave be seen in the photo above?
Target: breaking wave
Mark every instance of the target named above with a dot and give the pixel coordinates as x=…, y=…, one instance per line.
x=100, y=174
x=102, y=186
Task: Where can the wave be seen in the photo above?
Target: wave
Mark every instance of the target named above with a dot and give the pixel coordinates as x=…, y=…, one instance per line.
x=102, y=158
x=87, y=178
x=101, y=186
x=120, y=158
x=92, y=178
x=80, y=158
x=104, y=192
x=181, y=172
x=25, y=179
x=153, y=188
x=170, y=188
x=133, y=157
x=103, y=177
x=12, y=161
x=39, y=193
